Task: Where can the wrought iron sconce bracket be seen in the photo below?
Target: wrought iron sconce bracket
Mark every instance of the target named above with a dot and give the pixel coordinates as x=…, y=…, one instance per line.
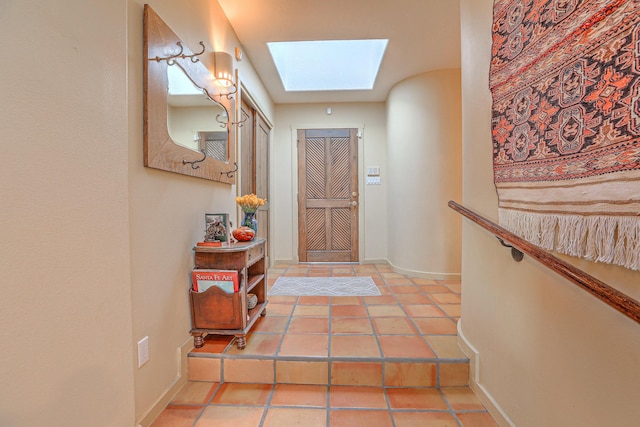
x=171, y=59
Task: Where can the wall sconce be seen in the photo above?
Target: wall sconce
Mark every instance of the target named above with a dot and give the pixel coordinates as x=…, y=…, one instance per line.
x=223, y=68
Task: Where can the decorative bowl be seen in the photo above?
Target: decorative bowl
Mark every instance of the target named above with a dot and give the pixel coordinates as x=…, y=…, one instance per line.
x=243, y=234
x=252, y=301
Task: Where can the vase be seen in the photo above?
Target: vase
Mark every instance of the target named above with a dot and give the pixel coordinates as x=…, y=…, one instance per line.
x=250, y=221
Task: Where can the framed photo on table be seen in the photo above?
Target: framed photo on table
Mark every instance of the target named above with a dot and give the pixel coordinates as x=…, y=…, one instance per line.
x=216, y=227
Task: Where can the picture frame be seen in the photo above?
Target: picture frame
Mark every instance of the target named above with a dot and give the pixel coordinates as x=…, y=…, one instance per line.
x=216, y=226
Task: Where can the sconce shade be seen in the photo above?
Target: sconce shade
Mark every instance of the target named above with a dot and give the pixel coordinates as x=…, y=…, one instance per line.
x=223, y=68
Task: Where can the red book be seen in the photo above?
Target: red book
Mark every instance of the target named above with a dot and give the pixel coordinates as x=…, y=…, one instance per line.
x=227, y=280
x=217, y=243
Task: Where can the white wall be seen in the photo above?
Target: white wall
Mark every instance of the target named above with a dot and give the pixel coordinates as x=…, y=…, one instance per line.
x=549, y=354
x=167, y=210
x=424, y=173
x=65, y=299
x=368, y=117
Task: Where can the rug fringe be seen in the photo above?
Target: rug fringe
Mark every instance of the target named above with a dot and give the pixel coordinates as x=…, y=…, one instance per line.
x=607, y=239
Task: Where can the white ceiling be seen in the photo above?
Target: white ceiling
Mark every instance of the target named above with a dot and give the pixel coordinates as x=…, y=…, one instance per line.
x=424, y=35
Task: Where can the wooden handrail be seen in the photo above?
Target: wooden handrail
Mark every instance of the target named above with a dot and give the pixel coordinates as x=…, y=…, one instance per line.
x=614, y=298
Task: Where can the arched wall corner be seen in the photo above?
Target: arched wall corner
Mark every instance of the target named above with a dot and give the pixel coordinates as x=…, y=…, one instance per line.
x=424, y=155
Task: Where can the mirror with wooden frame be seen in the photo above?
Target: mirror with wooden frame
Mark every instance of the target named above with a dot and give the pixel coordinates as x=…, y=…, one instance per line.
x=188, y=115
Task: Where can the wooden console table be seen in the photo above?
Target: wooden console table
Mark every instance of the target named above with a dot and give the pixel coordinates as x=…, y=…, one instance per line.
x=217, y=312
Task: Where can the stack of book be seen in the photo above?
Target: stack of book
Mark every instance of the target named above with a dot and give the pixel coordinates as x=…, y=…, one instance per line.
x=226, y=280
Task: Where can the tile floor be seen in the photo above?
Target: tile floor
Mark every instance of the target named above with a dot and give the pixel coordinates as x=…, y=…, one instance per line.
x=389, y=360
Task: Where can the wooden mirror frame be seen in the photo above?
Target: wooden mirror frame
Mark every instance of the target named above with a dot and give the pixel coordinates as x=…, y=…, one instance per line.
x=160, y=151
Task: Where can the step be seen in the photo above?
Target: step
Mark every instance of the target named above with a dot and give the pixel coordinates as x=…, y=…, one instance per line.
x=220, y=361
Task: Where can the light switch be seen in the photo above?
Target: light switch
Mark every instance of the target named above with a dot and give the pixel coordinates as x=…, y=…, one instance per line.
x=373, y=180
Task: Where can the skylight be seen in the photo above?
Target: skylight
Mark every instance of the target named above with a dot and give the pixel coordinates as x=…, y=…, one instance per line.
x=328, y=64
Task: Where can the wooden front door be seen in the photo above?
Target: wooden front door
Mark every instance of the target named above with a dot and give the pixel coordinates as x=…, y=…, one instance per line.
x=327, y=195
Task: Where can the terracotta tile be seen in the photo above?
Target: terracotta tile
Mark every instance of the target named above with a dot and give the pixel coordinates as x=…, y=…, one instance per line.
x=447, y=298
x=452, y=310
x=347, y=301
x=403, y=287
x=462, y=399
x=413, y=299
x=204, y=369
x=424, y=419
x=214, y=344
x=348, y=311
x=321, y=273
x=393, y=326
x=282, y=299
x=416, y=398
x=249, y=371
x=275, y=309
x=356, y=373
x=351, y=325
x=302, y=372
x=364, y=268
x=195, y=392
x=242, y=394
x=398, y=374
x=385, y=311
x=308, y=325
x=380, y=300
x=455, y=288
x=404, y=346
x=435, y=325
x=357, y=397
x=454, y=374
x=311, y=310
x=295, y=417
x=304, y=345
x=313, y=300
x=476, y=419
x=299, y=395
x=270, y=324
x=342, y=270
x=424, y=310
x=403, y=283
x=378, y=280
x=258, y=344
x=434, y=289
x=446, y=346
x=421, y=281
x=177, y=416
x=228, y=416
x=354, y=346
x=342, y=418
x=391, y=275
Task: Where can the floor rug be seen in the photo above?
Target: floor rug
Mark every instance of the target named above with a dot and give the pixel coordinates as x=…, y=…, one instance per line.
x=324, y=286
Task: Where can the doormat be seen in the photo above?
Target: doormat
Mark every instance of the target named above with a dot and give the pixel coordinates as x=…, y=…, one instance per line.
x=325, y=286
x=565, y=81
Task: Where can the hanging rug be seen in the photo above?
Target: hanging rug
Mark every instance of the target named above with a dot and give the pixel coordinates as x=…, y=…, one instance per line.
x=565, y=83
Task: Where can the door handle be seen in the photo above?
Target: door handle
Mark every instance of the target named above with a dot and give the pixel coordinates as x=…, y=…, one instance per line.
x=354, y=194
x=354, y=203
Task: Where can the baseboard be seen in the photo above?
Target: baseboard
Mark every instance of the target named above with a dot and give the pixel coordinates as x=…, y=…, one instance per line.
x=425, y=274
x=174, y=388
x=474, y=381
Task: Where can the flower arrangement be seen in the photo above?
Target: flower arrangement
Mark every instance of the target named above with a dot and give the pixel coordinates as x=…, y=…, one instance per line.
x=250, y=202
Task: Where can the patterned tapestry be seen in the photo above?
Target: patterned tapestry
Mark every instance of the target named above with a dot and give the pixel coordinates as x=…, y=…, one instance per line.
x=565, y=82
